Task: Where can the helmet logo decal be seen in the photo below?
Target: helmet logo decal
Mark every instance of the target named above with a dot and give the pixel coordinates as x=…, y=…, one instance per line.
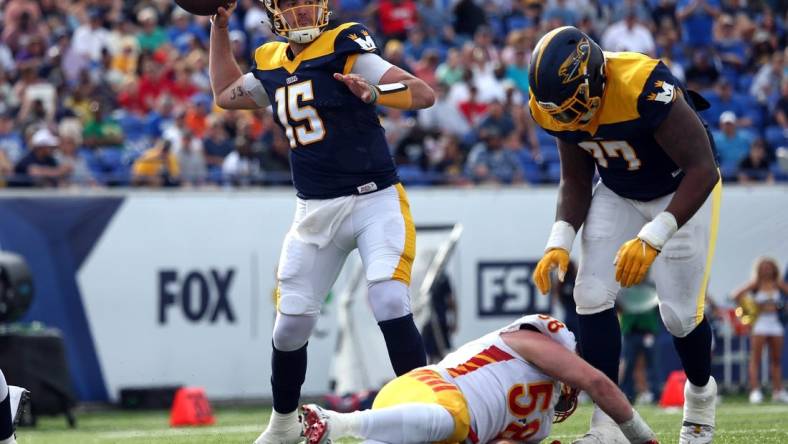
x=576, y=65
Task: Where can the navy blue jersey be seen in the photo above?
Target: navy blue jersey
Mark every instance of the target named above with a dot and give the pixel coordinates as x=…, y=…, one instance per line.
x=337, y=145
x=639, y=93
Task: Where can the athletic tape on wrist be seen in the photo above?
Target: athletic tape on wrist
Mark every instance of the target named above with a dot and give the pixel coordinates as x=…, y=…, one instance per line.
x=657, y=232
x=562, y=235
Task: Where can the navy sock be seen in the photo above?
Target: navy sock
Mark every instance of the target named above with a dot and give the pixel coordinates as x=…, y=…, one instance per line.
x=6, y=429
x=600, y=341
x=288, y=371
x=695, y=353
x=404, y=344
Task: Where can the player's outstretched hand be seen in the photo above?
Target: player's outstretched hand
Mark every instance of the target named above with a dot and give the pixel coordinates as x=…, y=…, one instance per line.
x=557, y=257
x=357, y=85
x=633, y=261
x=222, y=17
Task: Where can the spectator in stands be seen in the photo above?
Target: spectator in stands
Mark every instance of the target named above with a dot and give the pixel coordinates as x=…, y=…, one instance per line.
x=275, y=160
x=765, y=288
x=91, y=37
x=151, y=36
x=490, y=162
x=725, y=99
x=755, y=166
x=451, y=161
x=39, y=167
x=217, y=143
x=730, y=48
x=11, y=143
x=468, y=17
x=703, y=72
x=697, y=19
x=397, y=126
x=443, y=116
x=473, y=110
x=191, y=160
x=101, y=130
x=183, y=31
x=396, y=18
x=732, y=143
x=781, y=107
x=768, y=78
x=242, y=167
x=559, y=14
x=629, y=35
x=496, y=122
x=77, y=166
x=156, y=167
x=451, y=70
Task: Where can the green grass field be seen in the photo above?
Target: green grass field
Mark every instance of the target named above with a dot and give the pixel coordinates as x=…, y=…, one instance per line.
x=737, y=422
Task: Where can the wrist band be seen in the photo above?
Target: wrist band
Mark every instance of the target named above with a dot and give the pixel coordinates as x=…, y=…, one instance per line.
x=562, y=235
x=657, y=232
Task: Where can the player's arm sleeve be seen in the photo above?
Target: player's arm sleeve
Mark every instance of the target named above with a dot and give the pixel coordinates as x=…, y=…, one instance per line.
x=255, y=90
x=370, y=66
x=658, y=96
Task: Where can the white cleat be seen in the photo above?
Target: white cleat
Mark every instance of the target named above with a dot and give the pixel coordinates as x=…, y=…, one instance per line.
x=19, y=399
x=700, y=408
x=781, y=396
x=317, y=424
x=282, y=429
x=603, y=431
x=756, y=397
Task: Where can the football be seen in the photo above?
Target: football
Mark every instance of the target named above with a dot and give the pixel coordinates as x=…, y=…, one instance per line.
x=202, y=7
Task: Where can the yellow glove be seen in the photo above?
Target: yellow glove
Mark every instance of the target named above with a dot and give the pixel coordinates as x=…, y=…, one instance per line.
x=541, y=275
x=632, y=261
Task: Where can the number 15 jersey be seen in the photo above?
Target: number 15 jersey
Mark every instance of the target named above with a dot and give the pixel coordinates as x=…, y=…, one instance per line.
x=338, y=146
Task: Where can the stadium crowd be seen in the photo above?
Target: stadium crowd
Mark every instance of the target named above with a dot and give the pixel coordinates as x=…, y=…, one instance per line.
x=116, y=92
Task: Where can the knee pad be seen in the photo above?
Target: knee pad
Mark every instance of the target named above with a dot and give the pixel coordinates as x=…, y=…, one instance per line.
x=678, y=326
x=292, y=332
x=592, y=296
x=388, y=300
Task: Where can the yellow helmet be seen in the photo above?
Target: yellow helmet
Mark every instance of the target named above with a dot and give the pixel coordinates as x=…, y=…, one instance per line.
x=298, y=32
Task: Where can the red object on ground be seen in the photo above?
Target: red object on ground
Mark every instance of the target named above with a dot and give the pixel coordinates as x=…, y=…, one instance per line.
x=191, y=407
x=673, y=393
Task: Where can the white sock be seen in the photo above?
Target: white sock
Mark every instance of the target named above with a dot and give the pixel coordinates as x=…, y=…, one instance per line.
x=399, y=424
x=10, y=440
x=282, y=420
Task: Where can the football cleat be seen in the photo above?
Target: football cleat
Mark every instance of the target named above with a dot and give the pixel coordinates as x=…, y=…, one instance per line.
x=699, y=414
x=780, y=396
x=316, y=424
x=603, y=431
x=20, y=398
x=756, y=397
x=289, y=433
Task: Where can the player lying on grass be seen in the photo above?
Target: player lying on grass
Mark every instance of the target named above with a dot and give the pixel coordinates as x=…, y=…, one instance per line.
x=508, y=386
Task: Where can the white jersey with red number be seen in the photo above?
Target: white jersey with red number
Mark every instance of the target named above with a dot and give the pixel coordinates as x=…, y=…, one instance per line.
x=507, y=396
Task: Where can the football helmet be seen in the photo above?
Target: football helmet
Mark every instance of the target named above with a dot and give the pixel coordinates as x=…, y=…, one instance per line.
x=300, y=21
x=567, y=76
x=566, y=405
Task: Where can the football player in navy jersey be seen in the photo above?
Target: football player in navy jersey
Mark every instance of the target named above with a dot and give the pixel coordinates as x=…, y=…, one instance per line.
x=655, y=206
x=324, y=83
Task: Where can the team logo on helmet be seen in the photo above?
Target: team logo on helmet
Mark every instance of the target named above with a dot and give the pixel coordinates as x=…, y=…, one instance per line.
x=576, y=65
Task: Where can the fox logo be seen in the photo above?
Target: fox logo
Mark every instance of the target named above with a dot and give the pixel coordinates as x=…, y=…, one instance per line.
x=665, y=96
x=365, y=41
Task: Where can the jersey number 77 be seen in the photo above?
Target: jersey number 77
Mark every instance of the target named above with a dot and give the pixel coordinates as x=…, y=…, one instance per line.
x=302, y=124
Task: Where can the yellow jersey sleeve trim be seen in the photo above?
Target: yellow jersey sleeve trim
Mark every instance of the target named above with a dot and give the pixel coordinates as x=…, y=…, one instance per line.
x=273, y=55
x=349, y=63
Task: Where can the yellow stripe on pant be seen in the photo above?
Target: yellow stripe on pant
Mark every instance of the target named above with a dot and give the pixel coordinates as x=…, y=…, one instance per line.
x=716, y=197
x=402, y=272
x=428, y=387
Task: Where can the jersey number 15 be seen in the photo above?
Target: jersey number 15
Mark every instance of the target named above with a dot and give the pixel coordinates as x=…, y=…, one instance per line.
x=291, y=114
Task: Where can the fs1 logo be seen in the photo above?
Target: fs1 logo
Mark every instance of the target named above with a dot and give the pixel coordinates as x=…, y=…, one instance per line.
x=200, y=296
x=505, y=289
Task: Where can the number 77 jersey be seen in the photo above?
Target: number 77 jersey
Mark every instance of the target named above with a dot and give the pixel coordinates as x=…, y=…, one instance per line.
x=639, y=93
x=338, y=146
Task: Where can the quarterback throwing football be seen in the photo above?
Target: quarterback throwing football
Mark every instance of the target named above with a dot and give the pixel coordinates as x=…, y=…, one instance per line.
x=324, y=84
x=655, y=207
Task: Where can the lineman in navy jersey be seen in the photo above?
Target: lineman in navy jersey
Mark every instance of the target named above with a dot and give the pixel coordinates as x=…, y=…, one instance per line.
x=324, y=84
x=655, y=207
